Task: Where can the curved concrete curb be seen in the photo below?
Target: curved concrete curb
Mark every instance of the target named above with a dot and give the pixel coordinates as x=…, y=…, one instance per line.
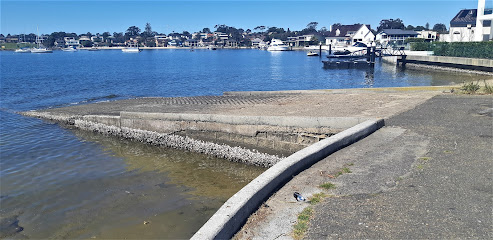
x=234, y=213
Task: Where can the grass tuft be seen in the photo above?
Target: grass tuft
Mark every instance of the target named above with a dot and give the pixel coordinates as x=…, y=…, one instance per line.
x=328, y=186
x=487, y=88
x=470, y=88
x=303, y=222
x=301, y=225
x=316, y=198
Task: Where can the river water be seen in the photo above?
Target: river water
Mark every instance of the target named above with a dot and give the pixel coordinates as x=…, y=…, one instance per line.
x=65, y=183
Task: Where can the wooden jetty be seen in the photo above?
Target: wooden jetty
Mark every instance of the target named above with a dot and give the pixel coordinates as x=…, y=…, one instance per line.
x=364, y=58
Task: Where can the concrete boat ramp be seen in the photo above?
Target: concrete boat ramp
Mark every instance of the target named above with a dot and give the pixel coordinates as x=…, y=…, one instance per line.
x=288, y=131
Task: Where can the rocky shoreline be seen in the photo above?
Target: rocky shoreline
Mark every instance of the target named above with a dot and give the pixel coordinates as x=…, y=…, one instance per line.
x=234, y=154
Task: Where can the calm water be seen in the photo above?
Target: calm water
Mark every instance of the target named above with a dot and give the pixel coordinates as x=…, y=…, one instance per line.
x=61, y=183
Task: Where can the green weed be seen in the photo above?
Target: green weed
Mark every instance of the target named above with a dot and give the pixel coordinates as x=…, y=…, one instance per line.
x=328, y=186
x=301, y=225
x=470, y=88
x=487, y=88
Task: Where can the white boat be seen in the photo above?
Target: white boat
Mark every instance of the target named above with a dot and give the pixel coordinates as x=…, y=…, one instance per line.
x=23, y=50
x=131, y=49
x=358, y=48
x=69, y=49
x=312, y=54
x=277, y=45
x=40, y=49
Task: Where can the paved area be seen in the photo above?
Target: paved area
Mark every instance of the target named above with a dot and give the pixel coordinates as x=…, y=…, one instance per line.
x=427, y=174
x=351, y=103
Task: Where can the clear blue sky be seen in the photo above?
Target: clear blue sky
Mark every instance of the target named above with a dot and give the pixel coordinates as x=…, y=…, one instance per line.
x=19, y=16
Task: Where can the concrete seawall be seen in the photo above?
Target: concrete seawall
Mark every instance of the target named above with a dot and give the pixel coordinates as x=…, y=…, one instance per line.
x=476, y=64
x=268, y=134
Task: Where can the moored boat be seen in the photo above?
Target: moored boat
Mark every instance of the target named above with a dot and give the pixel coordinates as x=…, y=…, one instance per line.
x=312, y=54
x=23, y=50
x=69, y=49
x=277, y=45
x=132, y=48
x=40, y=49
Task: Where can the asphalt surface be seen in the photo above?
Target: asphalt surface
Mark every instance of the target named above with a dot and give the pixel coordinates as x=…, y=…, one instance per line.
x=442, y=189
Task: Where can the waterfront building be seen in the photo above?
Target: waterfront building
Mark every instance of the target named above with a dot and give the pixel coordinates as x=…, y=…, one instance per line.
x=161, y=40
x=59, y=42
x=484, y=19
x=301, y=41
x=257, y=43
x=232, y=43
x=221, y=36
x=71, y=42
x=341, y=35
x=471, y=25
x=191, y=43
x=12, y=39
x=394, y=36
x=427, y=35
x=174, y=43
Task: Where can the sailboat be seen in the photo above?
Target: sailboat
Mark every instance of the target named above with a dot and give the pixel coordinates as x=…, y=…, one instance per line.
x=40, y=49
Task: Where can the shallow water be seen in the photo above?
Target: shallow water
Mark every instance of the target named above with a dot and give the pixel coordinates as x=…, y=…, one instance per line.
x=63, y=183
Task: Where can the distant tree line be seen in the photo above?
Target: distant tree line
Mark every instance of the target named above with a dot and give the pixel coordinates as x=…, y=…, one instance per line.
x=266, y=33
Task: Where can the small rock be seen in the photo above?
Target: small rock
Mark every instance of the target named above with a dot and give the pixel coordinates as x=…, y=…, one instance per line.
x=146, y=222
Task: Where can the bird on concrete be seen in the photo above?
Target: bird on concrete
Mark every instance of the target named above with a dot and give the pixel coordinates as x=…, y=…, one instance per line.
x=298, y=197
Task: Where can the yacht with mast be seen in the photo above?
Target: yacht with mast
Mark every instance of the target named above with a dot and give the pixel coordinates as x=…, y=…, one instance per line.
x=40, y=49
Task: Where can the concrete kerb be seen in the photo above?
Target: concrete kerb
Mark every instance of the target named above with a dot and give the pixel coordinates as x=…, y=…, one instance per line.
x=338, y=91
x=333, y=122
x=234, y=213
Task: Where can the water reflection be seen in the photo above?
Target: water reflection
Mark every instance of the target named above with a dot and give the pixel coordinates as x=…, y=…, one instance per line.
x=370, y=77
x=389, y=75
x=204, y=175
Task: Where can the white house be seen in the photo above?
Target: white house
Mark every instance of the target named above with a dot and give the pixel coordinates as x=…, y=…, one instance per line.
x=71, y=42
x=484, y=18
x=349, y=34
x=394, y=36
x=427, y=35
x=257, y=42
x=471, y=25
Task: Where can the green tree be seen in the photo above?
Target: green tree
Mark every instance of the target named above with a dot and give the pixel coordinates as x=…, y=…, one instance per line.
x=390, y=24
x=259, y=28
x=314, y=41
x=86, y=43
x=427, y=26
x=119, y=38
x=106, y=35
x=206, y=30
x=148, y=31
x=132, y=31
x=440, y=28
x=312, y=25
